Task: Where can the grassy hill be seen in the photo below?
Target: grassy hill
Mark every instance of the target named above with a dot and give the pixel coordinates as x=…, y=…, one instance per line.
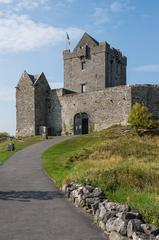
x=19, y=145
x=123, y=164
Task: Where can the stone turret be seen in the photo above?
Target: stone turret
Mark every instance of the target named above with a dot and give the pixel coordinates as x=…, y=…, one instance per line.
x=32, y=93
x=93, y=66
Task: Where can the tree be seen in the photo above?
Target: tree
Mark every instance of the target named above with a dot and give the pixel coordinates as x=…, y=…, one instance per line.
x=4, y=134
x=139, y=116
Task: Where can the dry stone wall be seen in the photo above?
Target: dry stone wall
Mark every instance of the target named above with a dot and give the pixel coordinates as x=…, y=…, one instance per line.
x=118, y=221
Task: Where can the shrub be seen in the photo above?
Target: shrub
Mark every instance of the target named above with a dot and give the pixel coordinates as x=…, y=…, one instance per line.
x=139, y=116
x=4, y=134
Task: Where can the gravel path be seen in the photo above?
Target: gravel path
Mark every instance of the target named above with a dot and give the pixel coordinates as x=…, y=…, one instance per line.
x=31, y=208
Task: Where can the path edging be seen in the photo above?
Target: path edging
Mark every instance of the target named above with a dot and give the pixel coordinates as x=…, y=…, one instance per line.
x=118, y=221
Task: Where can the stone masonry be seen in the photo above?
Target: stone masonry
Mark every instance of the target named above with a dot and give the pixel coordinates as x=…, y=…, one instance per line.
x=94, y=65
x=95, y=95
x=32, y=104
x=118, y=221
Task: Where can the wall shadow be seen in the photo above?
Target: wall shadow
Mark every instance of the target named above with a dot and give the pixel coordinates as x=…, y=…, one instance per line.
x=27, y=196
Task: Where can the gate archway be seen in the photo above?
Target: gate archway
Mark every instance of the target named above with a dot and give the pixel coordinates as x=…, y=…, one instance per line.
x=81, y=123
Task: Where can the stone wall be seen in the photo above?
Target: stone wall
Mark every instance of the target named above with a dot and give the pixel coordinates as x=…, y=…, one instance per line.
x=93, y=74
x=94, y=64
x=148, y=95
x=38, y=106
x=25, y=107
x=118, y=221
x=115, y=67
x=104, y=108
x=32, y=100
x=42, y=91
x=54, y=117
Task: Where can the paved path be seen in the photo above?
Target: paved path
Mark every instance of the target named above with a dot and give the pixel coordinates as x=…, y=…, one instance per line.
x=31, y=208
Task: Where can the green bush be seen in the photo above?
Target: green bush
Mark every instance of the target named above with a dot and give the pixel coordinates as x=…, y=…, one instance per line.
x=139, y=116
x=4, y=134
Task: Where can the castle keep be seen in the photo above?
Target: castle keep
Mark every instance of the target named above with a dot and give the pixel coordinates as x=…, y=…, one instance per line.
x=95, y=94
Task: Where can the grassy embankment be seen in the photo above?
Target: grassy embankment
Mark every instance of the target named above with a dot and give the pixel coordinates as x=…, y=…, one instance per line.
x=19, y=145
x=117, y=160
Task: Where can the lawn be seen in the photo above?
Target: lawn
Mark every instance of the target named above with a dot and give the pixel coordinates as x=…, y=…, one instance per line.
x=19, y=145
x=123, y=164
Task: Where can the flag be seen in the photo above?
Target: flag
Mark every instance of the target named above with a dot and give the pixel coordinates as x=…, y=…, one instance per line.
x=68, y=43
x=68, y=37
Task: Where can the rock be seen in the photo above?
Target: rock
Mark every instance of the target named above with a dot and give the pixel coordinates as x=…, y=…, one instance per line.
x=96, y=216
x=116, y=207
x=89, y=188
x=120, y=226
x=117, y=225
x=155, y=232
x=109, y=224
x=97, y=192
x=110, y=206
x=116, y=236
x=108, y=215
x=120, y=215
x=89, y=202
x=68, y=192
x=64, y=188
x=122, y=208
x=79, y=202
x=86, y=190
x=148, y=228
x=134, y=225
x=142, y=236
x=89, y=211
x=95, y=206
x=87, y=195
x=102, y=211
x=133, y=215
x=102, y=225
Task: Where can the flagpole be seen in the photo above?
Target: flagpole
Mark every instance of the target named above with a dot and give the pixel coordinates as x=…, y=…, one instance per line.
x=67, y=41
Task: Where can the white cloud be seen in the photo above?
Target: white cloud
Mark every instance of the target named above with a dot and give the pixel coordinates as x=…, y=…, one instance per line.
x=7, y=94
x=116, y=7
x=112, y=12
x=151, y=68
x=20, y=33
x=29, y=4
x=101, y=15
x=5, y=1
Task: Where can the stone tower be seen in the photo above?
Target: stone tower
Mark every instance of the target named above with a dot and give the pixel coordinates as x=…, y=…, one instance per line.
x=93, y=66
x=32, y=99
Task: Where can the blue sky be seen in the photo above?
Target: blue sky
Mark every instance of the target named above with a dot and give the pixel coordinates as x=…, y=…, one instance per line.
x=33, y=36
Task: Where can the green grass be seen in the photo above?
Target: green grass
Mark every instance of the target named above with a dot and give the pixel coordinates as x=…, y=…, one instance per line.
x=124, y=165
x=19, y=145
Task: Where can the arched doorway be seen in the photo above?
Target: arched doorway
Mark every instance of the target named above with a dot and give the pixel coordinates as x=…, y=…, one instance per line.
x=81, y=123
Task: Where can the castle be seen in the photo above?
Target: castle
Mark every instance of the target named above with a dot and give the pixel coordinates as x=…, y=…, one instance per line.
x=95, y=94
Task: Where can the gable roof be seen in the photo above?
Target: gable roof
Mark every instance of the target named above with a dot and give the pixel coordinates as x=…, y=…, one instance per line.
x=34, y=78
x=86, y=40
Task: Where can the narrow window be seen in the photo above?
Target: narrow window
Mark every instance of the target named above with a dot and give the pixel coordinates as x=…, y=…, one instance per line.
x=83, y=65
x=83, y=88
